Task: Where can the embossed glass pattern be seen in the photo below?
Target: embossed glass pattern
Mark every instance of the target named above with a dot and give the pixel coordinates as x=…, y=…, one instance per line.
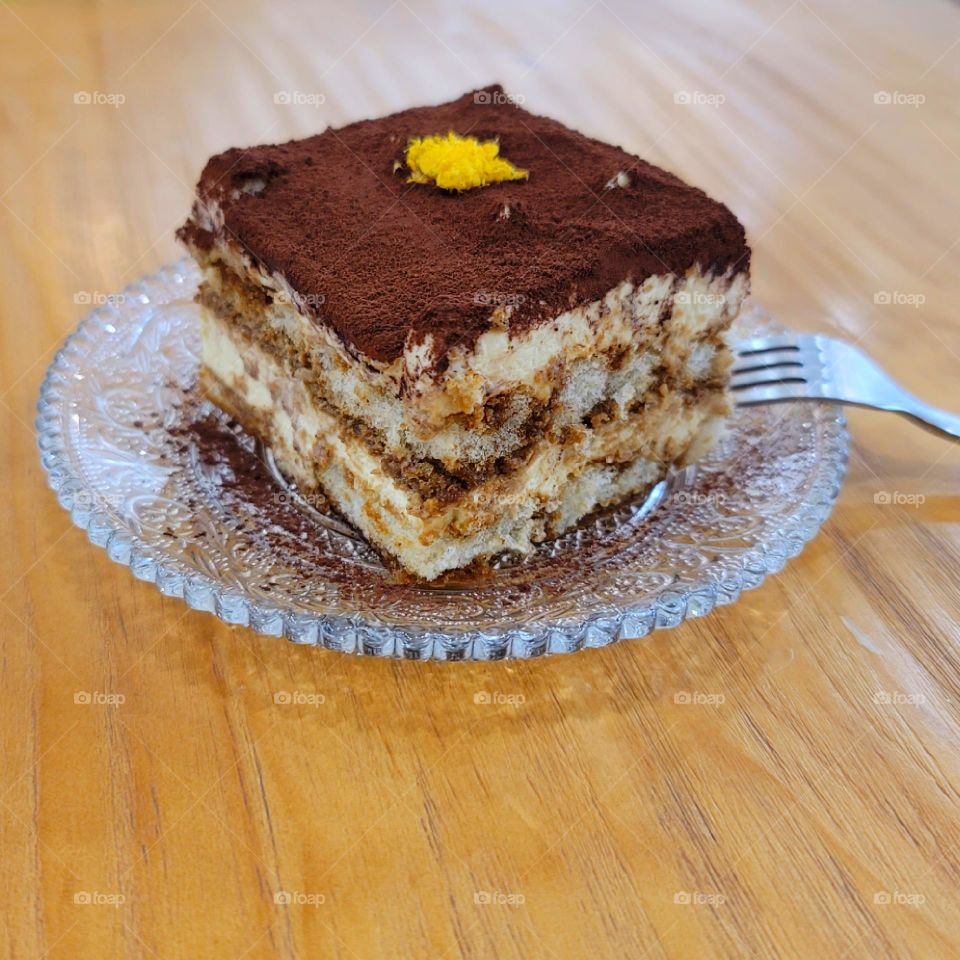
x=203, y=514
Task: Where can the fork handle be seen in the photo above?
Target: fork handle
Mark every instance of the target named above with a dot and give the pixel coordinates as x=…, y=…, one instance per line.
x=935, y=419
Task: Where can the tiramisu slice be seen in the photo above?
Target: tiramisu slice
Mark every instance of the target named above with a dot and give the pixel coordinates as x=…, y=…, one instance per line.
x=468, y=325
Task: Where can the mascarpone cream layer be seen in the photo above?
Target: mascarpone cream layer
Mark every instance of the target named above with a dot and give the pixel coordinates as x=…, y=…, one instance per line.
x=550, y=492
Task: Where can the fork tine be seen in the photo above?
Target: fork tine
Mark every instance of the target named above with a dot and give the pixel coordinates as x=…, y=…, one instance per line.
x=768, y=358
x=794, y=373
x=763, y=344
x=771, y=393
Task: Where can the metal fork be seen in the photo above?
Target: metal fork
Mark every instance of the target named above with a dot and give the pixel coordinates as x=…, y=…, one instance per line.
x=814, y=367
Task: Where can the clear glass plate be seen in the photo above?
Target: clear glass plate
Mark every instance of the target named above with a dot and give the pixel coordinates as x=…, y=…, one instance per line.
x=169, y=486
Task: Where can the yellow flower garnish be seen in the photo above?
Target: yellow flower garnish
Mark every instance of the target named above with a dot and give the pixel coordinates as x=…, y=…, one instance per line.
x=458, y=163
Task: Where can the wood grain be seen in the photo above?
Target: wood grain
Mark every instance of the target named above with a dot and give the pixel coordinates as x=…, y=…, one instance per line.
x=805, y=804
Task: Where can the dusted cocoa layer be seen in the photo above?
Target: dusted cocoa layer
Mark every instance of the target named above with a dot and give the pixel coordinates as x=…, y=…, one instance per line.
x=334, y=212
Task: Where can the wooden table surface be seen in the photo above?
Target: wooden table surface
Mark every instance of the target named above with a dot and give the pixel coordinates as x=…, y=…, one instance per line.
x=805, y=804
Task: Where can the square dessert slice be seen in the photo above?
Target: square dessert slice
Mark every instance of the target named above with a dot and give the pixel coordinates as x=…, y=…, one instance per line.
x=466, y=324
